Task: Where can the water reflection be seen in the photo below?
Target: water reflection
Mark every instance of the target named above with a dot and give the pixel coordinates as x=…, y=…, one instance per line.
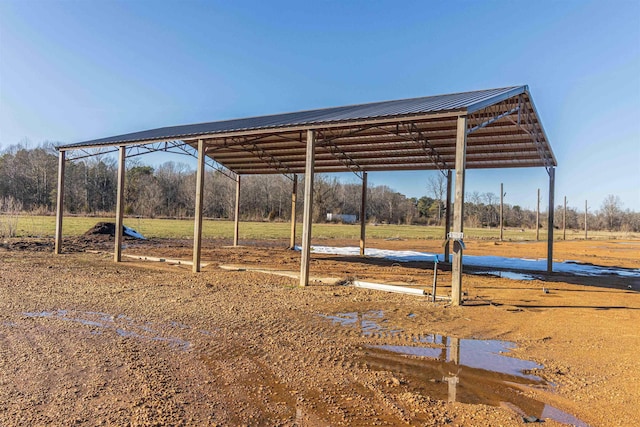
x=467, y=371
x=456, y=370
x=368, y=322
x=513, y=275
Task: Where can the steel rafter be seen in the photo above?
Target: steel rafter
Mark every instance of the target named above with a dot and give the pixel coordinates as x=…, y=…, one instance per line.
x=492, y=113
x=208, y=161
x=329, y=144
x=417, y=136
x=176, y=147
x=235, y=141
x=250, y=146
x=527, y=124
x=87, y=152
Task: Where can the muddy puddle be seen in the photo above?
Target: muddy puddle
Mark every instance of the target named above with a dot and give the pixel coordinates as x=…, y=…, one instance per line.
x=368, y=323
x=458, y=370
x=507, y=275
x=123, y=326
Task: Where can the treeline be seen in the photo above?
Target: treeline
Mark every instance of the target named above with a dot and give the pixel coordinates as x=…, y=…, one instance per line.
x=28, y=182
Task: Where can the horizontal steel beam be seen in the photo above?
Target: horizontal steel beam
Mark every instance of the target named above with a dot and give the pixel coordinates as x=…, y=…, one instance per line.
x=396, y=168
x=409, y=118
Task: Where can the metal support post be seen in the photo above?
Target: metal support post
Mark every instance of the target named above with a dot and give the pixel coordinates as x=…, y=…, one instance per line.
x=550, y=220
x=122, y=154
x=236, y=222
x=435, y=279
x=197, y=229
x=308, y=208
x=501, y=211
x=363, y=213
x=60, y=202
x=458, y=213
x=294, y=196
x=447, y=220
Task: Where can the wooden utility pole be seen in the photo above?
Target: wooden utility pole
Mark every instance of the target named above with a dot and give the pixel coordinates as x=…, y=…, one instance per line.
x=564, y=220
x=585, y=219
x=501, y=210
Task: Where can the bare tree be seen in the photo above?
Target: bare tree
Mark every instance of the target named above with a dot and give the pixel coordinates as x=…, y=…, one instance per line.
x=10, y=209
x=473, y=209
x=28, y=177
x=491, y=212
x=612, y=212
x=437, y=186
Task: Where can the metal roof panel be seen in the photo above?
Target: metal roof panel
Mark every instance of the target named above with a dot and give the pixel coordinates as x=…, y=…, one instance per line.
x=406, y=134
x=394, y=108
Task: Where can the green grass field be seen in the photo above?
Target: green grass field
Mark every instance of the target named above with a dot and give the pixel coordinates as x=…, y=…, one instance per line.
x=44, y=226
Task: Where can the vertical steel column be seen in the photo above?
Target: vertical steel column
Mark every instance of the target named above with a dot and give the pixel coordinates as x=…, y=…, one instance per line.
x=122, y=154
x=60, y=202
x=458, y=212
x=363, y=213
x=550, y=220
x=294, y=197
x=308, y=208
x=236, y=222
x=501, y=211
x=447, y=220
x=197, y=229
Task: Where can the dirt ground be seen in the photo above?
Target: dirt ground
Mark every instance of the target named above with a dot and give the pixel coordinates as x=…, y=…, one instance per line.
x=85, y=341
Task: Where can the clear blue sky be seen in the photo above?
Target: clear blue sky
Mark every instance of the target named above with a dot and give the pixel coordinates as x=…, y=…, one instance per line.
x=78, y=70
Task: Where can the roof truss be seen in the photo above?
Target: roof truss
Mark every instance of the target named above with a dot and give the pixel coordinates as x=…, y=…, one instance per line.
x=503, y=131
x=135, y=150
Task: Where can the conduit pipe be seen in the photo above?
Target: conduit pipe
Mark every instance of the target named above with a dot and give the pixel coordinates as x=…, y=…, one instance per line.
x=388, y=288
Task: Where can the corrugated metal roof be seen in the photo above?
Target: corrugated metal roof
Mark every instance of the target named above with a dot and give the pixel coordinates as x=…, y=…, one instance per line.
x=468, y=101
x=503, y=130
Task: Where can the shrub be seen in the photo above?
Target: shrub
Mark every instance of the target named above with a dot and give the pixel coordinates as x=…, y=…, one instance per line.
x=10, y=209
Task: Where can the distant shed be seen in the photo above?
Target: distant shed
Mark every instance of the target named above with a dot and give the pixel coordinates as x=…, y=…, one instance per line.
x=345, y=218
x=495, y=128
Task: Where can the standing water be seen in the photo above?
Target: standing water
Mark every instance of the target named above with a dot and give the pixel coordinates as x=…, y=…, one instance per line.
x=458, y=370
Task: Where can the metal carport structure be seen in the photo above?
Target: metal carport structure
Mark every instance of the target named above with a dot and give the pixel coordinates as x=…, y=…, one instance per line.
x=495, y=128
